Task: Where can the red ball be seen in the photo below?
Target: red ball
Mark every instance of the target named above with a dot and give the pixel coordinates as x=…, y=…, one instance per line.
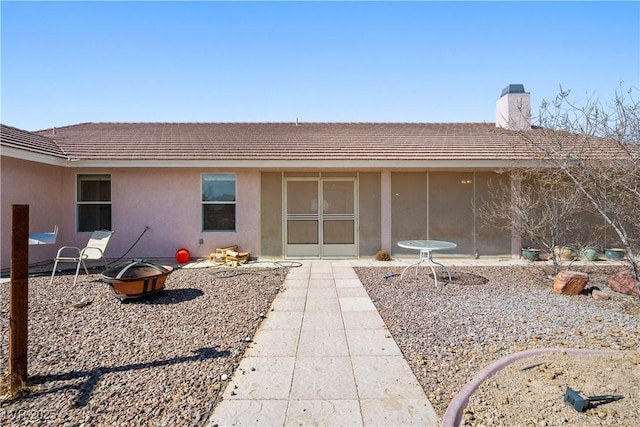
x=182, y=256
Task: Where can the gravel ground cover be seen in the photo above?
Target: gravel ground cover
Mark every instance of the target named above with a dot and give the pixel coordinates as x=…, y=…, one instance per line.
x=159, y=361
x=156, y=361
x=530, y=391
x=449, y=333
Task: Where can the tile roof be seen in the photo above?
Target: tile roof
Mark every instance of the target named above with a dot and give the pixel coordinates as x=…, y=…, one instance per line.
x=254, y=142
x=287, y=141
x=21, y=139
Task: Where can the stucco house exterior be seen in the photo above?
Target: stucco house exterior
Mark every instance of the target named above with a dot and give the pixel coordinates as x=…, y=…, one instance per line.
x=277, y=190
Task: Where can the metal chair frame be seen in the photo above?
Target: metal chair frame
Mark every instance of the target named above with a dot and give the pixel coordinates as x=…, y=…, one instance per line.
x=93, y=251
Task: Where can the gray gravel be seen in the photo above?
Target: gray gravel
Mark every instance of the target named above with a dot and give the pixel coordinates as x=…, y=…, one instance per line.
x=156, y=361
x=449, y=333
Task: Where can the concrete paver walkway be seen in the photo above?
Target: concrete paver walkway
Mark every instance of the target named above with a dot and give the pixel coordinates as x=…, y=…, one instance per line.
x=323, y=356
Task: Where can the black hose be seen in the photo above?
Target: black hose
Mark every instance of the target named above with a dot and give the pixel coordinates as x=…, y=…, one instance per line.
x=288, y=264
x=134, y=243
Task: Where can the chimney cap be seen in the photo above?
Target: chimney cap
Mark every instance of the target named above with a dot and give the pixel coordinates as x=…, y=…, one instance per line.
x=513, y=88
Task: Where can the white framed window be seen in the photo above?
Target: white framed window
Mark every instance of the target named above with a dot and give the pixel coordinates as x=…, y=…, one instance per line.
x=218, y=202
x=93, y=202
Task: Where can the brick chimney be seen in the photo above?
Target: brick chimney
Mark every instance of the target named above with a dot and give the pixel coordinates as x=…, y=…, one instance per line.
x=513, y=109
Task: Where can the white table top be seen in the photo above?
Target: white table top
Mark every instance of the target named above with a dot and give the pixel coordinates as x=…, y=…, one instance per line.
x=426, y=245
x=42, y=238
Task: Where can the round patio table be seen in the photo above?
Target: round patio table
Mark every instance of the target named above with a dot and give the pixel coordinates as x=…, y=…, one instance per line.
x=426, y=248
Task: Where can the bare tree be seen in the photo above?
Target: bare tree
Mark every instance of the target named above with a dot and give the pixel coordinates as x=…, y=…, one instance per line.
x=597, y=147
x=540, y=204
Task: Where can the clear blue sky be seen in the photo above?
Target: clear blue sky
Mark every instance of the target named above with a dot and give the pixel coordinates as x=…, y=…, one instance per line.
x=68, y=63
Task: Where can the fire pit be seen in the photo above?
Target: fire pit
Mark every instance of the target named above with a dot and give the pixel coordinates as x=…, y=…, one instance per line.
x=136, y=278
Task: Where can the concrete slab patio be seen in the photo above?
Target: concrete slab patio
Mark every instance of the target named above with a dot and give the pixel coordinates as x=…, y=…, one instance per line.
x=323, y=356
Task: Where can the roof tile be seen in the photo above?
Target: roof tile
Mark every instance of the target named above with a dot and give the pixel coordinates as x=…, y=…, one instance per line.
x=280, y=141
x=17, y=138
x=287, y=141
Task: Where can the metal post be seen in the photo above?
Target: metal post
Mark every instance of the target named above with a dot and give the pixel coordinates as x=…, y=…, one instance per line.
x=18, y=298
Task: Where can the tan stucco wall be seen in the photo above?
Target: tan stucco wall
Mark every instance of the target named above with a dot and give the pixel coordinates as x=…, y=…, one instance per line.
x=167, y=200
x=36, y=185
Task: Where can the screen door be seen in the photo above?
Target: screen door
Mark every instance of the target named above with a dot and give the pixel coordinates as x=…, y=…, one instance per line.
x=320, y=218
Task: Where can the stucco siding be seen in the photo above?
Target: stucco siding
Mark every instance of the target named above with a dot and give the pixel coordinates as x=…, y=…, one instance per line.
x=36, y=185
x=169, y=202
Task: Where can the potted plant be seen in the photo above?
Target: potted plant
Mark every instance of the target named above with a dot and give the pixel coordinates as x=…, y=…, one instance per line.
x=563, y=253
x=589, y=242
x=531, y=254
x=588, y=253
x=614, y=254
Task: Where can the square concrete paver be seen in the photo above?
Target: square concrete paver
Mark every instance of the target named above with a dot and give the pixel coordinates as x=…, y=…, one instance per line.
x=274, y=343
x=320, y=276
x=318, y=320
x=320, y=304
x=398, y=412
x=324, y=413
x=249, y=413
x=356, y=304
x=323, y=378
x=344, y=272
x=385, y=377
x=346, y=283
x=278, y=320
x=295, y=300
x=320, y=281
x=368, y=319
x=296, y=283
x=322, y=292
x=318, y=342
x=261, y=378
x=352, y=291
x=303, y=270
x=372, y=342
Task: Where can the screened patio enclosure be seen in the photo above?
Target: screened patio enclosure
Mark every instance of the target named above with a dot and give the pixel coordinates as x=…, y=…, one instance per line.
x=443, y=206
x=341, y=214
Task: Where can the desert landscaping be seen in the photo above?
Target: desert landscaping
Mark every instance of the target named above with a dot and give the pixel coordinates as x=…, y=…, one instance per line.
x=450, y=333
x=162, y=360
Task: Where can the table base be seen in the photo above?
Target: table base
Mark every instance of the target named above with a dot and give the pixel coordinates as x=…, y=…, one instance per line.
x=426, y=255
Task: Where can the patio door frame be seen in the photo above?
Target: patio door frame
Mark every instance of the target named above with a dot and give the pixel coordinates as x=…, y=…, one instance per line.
x=320, y=249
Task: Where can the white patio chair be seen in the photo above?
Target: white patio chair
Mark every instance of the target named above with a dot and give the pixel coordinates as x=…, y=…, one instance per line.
x=93, y=251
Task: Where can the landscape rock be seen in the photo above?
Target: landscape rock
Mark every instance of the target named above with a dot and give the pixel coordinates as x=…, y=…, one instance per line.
x=570, y=282
x=625, y=283
x=600, y=295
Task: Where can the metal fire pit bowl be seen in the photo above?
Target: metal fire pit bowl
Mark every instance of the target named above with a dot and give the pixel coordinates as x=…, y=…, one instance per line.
x=135, y=279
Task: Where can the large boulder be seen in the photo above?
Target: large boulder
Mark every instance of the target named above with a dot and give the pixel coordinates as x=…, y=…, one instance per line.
x=570, y=282
x=625, y=283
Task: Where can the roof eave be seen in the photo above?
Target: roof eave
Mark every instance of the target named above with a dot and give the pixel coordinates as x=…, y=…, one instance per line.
x=32, y=156
x=309, y=164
